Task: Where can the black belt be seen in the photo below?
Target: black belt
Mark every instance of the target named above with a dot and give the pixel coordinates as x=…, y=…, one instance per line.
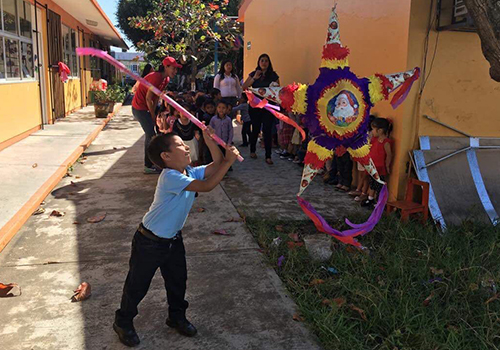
x=149, y=234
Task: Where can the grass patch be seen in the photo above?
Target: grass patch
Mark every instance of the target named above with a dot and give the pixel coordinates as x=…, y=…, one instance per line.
x=414, y=289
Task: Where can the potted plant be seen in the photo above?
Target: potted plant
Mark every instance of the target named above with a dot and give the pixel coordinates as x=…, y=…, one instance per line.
x=104, y=101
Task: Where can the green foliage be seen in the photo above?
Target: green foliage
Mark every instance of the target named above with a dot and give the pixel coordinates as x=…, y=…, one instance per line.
x=114, y=93
x=183, y=28
x=417, y=289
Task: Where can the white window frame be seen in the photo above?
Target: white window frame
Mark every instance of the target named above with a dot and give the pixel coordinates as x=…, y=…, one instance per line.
x=21, y=39
x=72, y=54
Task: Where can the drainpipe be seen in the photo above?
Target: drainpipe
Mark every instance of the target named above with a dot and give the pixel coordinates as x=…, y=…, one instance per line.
x=39, y=66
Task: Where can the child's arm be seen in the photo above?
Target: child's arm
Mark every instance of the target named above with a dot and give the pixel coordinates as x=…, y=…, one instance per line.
x=212, y=181
x=388, y=156
x=197, y=135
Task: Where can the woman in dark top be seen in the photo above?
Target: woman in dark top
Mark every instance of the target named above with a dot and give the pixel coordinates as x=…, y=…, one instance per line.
x=263, y=76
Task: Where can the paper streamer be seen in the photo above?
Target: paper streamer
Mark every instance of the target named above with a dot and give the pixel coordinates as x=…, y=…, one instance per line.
x=347, y=236
x=90, y=51
x=256, y=102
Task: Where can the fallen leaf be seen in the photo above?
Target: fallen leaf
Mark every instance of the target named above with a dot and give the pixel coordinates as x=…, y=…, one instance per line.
x=82, y=162
x=9, y=290
x=298, y=318
x=427, y=300
x=361, y=312
x=57, y=213
x=200, y=210
x=435, y=271
x=279, y=228
x=221, y=232
x=77, y=176
x=82, y=292
x=39, y=211
x=293, y=245
x=34, y=165
x=72, y=193
x=294, y=237
x=73, y=183
x=97, y=218
x=473, y=286
x=115, y=148
x=76, y=222
x=84, y=158
x=493, y=298
x=316, y=281
x=68, y=174
x=234, y=220
x=339, y=301
x=326, y=302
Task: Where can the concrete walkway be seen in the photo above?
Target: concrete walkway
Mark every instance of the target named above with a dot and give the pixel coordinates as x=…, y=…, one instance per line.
x=236, y=300
x=30, y=168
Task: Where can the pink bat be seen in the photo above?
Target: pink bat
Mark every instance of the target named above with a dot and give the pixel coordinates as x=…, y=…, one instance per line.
x=90, y=51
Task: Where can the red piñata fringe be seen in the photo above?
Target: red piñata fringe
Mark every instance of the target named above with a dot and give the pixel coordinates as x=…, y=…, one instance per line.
x=335, y=52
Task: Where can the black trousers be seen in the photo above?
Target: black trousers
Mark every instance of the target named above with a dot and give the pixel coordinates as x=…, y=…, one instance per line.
x=261, y=118
x=147, y=256
x=246, y=132
x=344, y=166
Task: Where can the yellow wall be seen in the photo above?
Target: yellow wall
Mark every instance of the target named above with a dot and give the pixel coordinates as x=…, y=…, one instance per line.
x=293, y=33
x=72, y=95
x=20, y=109
x=459, y=91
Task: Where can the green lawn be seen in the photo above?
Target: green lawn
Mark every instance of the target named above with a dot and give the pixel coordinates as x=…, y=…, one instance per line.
x=414, y=289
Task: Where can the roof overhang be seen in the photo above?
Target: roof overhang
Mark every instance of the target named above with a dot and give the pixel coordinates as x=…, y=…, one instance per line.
x=91, y=15
x=243, y=7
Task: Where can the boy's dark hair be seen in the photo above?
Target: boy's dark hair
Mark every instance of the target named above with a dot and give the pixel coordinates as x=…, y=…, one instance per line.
x=222, y=102
x=209, y=102
x=384, y=124
x=200, y=101
x=214, y=92
x=159, y=144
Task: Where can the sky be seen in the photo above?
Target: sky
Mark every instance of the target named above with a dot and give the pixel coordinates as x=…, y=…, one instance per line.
x=109, y=6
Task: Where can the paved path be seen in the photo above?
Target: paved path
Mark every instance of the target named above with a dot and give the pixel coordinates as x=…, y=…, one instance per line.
x=236, y=300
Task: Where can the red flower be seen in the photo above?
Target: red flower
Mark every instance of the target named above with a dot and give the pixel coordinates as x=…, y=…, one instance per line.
x=213, y=6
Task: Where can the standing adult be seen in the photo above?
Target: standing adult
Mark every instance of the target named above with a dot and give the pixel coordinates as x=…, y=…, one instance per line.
x=145, y=71
x=262, y=77
x=228, y=83
x=145, y=102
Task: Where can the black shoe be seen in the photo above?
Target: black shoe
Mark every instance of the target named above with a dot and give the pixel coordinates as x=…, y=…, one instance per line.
x=127, y=336
x=183, y=327
x=369, y=203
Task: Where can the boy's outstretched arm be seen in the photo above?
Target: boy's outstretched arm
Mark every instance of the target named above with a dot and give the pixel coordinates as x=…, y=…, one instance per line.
x=210, y=182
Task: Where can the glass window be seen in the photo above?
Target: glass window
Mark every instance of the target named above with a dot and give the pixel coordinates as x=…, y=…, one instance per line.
x=12, y=58
x=2, y=60
x=27, y=60
x=24, y=10
x=69, y=49
x=10, y=16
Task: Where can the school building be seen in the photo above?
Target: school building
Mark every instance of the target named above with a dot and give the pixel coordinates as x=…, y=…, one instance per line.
x=387, y=37
x=35, y=35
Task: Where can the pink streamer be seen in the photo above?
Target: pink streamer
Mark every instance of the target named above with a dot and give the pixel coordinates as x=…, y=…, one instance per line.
x=89, y=51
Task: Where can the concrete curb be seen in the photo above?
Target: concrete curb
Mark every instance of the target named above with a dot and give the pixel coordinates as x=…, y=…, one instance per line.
x=9, y=230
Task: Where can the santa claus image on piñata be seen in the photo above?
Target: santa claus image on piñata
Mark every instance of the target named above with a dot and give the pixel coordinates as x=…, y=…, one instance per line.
x=343, y=109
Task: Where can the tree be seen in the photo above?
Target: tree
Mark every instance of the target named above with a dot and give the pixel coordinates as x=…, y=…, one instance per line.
x=486, y=16
x=128, y=9
x=186, y=29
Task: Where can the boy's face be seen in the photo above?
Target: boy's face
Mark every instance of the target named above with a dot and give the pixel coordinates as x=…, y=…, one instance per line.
x=178, y=156
x=210, y=109
x=221, y=110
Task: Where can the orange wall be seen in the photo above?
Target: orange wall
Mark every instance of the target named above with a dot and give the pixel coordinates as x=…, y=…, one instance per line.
x=293, y=32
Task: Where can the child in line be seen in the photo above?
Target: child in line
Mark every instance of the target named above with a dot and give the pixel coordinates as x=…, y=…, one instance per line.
x=208, y=113
x=246, y=130
x=360, y=194
x=222, y=124
x=190, y=134
x=158, y=241
x=344, y=167
x=381, y=154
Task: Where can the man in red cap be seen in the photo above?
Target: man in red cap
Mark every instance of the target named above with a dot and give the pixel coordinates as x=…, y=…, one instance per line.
x=145, y=102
